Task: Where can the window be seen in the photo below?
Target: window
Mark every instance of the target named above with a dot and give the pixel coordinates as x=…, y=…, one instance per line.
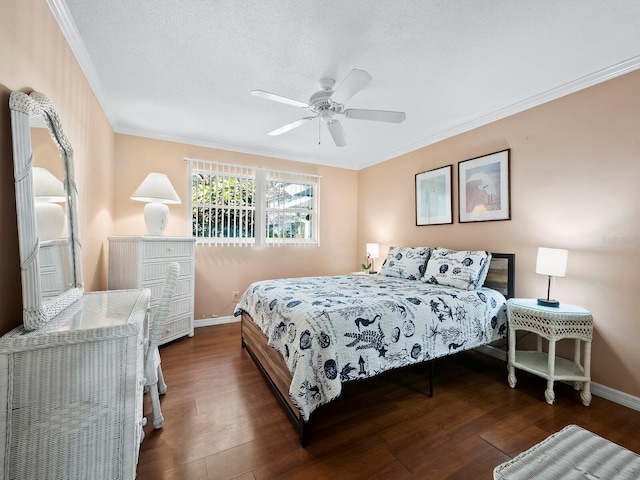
x=246, y=206
x=222, y=204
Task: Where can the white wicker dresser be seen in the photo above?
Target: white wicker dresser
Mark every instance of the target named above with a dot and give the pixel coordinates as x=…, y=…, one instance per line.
x=73, y=391
x=143, y=262
x=54, y=277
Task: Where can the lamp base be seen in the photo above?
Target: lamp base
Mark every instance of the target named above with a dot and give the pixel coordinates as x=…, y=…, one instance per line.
x=50, y=220
x=156, y=216
x=545, y=302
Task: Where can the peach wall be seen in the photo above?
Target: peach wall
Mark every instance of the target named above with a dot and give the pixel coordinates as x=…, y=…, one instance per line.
x=575, y=166
x=222, y=270
x=34, y=55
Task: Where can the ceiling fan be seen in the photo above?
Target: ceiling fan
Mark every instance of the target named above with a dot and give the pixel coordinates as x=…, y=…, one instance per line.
x=327, y=103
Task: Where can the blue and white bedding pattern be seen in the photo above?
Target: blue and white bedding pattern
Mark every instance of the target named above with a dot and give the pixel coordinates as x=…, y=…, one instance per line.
x=330, y=330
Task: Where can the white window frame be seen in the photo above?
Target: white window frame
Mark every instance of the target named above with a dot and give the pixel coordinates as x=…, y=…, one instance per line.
x=261, y=177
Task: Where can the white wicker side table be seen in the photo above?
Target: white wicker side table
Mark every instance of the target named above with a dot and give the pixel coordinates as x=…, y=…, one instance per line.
x=553, y=324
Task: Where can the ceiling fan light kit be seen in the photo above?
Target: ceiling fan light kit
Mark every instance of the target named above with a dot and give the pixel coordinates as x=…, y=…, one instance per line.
x=326, y=103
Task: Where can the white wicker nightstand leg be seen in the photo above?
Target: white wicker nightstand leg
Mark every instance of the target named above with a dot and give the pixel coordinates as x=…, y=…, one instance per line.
x=511, y=377
x=548, y=393
x=549, y=396
x=576, y=360
x=585, y=395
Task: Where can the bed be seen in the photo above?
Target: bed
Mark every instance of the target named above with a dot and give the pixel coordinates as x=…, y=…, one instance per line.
x=310, y=335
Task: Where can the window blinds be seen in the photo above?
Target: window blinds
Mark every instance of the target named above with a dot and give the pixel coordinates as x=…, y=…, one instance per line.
x=237, y=205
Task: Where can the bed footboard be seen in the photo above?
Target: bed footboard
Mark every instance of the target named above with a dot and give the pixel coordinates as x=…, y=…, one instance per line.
x=274, y=370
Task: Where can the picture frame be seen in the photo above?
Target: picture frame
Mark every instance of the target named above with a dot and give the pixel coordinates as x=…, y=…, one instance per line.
x=484, y=192
x=434, y=197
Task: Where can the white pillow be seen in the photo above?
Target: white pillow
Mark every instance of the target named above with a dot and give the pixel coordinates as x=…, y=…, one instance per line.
x=406, y=262
x=466, y=270
x=483, y=273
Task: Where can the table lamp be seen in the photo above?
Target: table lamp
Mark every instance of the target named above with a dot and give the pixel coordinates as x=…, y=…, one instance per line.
x=373, y=252
x=48, y=191
x=553, y=263
x=157, y=191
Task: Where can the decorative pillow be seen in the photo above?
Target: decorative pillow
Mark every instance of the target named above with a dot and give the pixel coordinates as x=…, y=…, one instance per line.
x=406, y=262
x=483, y=273
x=465, y=269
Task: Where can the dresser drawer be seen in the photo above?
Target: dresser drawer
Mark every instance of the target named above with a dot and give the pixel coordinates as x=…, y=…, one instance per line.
x=164, y=250
x=183, y=287
x=176, y=328
x=179, y=306
x=157, y=271
x=54, y=279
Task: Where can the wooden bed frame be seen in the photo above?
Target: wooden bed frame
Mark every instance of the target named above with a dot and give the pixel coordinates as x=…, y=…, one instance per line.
x=500, y=277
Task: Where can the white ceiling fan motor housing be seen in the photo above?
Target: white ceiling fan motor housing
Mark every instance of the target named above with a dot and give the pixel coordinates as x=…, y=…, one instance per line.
x=320, y=102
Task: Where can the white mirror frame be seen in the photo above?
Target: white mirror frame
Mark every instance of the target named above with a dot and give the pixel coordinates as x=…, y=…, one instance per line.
x=35, y=312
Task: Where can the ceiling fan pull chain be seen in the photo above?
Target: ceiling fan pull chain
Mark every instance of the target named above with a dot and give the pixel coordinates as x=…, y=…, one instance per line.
x=319, y=130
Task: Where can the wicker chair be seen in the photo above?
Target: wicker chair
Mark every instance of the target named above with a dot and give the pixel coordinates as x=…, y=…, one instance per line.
x=154, y=380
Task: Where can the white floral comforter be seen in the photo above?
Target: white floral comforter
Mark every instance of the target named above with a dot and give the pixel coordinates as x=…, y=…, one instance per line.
x=334, y=329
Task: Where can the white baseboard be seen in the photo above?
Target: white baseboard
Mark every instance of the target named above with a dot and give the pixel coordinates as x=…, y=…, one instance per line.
x=616, y=396
x=607, y=393
x=207, y=322
x=492, y=351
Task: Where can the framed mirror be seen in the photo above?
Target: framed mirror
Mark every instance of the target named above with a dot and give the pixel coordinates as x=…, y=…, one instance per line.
x=51, y=268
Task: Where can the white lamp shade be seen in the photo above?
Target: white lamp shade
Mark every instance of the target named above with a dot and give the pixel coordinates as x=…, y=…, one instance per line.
x=373, y=250
x=552, y=262
x=46, y=187
x=156, y=188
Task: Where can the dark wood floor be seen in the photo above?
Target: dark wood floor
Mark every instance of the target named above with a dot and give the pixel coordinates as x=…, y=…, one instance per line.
x=222, y=421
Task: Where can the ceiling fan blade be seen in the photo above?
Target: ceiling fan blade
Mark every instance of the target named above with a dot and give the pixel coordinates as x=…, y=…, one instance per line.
x=278, y=98
x=375, y=115
x=290, y=126
x=352, y=84
x=337, y=133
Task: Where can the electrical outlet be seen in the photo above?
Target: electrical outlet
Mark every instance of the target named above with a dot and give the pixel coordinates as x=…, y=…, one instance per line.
x=235, y=296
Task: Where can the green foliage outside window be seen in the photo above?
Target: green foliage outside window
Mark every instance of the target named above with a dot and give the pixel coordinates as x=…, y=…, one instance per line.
x=223, y=206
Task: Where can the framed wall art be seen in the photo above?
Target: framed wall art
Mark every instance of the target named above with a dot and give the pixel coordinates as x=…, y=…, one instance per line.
x=484, y=188
x=434, y=197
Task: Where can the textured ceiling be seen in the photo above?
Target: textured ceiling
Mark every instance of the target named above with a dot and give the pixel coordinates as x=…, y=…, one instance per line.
x=183, y=70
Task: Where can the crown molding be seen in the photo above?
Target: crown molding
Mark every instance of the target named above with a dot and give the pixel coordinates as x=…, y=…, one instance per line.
x=563, y=90
x=71, y=34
